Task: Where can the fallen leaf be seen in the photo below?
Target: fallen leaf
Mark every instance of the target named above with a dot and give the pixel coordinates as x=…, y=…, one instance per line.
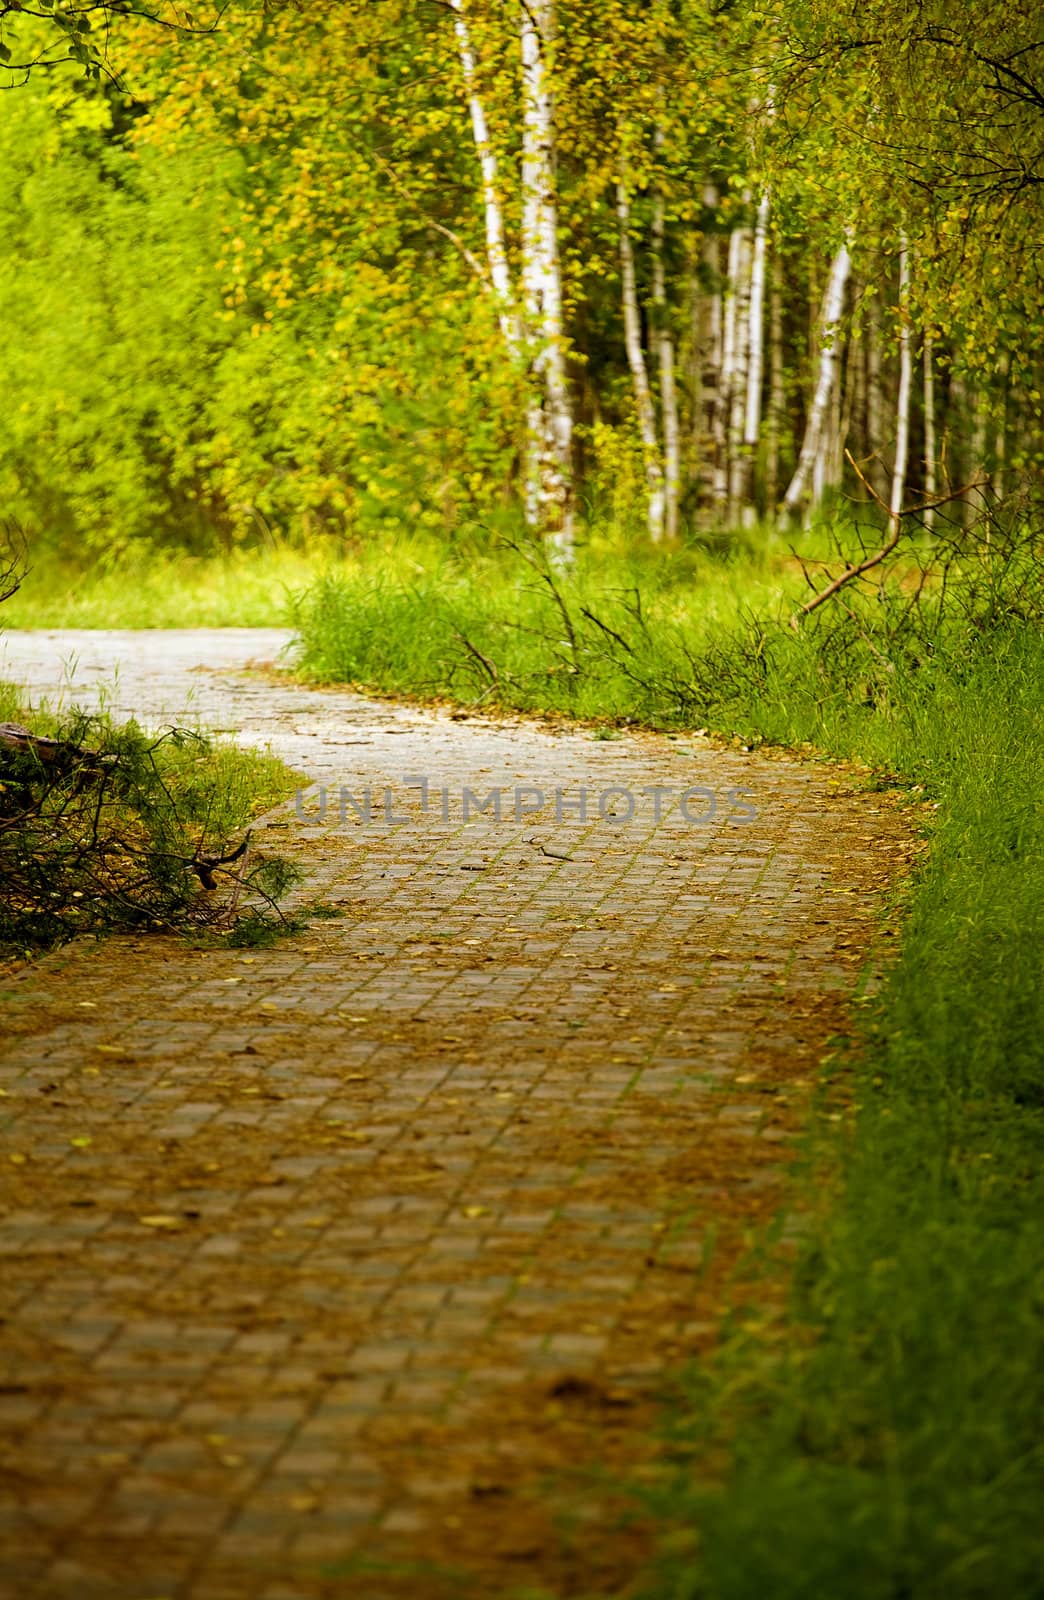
x=303, y=1502
x=160, y=1221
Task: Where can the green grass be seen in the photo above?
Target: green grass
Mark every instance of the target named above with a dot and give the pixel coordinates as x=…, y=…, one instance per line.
x=633, y=636
x=161, y=589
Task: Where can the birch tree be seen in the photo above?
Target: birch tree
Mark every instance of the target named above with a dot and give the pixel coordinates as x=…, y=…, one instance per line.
x=930, y=475
x=496, y=249
x=902, y=408
x=708, y=335
x=830, y=320
x=740, y=262
x=550, y=417
x=643, y=401
x=755, y=359
x=666, y=362
x=728, y=372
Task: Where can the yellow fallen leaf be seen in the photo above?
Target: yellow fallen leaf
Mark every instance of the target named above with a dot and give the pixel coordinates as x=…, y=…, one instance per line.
x=160, y=1221
x=81, y=1142
x=476, y=1211
x=17, y=1158
x=303, y=1502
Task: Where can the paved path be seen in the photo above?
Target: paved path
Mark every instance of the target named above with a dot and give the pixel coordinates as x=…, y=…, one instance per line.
x=323, y=1265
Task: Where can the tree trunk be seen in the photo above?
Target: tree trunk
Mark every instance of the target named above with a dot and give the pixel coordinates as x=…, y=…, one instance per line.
x=551, y=432
x=726, y=374
x=736, y=388
x=711, y=340
x=496, y=254
x=668, y=387
x=833, y=305
x=777, y=394
x=902, y=410
x=1000, y=451
x=755, y=361
x=930, y=475
x=975, y=500
x=643, y=402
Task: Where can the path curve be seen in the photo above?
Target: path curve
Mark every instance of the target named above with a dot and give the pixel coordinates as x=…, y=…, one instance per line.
x=374, y=1230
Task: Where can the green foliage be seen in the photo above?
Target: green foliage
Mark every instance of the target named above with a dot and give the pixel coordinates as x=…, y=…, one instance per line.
x=245, y=282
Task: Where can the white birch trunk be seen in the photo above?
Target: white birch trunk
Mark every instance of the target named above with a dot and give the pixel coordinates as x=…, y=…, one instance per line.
x=833, y=305
x=930, y=474
x=726, y=373
x=740, y=373
x=643, y=402
x=496, y=253
x=668, y=386
x=551, y=433
x=711, y=343
x=902, y=409
x=777, y=396
x=756, y=358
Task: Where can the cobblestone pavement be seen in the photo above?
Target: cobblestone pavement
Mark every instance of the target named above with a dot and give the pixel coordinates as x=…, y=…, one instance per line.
x=332, y=1269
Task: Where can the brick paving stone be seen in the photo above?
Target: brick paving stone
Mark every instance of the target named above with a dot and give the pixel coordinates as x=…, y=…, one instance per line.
x=439, y=1171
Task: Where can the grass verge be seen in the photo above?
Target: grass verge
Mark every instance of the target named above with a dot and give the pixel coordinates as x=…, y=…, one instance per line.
x=161, y=589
